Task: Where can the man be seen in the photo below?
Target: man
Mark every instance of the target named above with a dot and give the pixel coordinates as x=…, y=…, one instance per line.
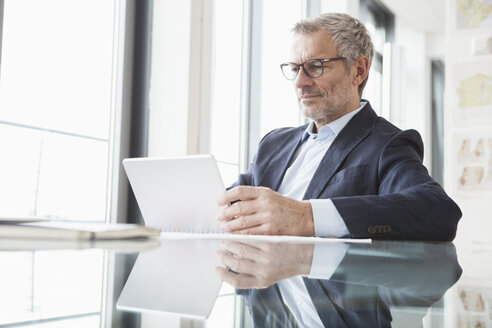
x=347, y=173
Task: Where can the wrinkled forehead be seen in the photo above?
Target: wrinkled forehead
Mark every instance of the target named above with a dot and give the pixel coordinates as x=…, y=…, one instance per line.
x=306, y=46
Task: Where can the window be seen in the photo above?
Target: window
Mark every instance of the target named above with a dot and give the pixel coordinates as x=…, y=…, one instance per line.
x=272, y=101
x=278, y=101
x=380, y=23
x=437, y=108
x=57, y=109
x=226, y=91
x=41, y=287
x=249, y=93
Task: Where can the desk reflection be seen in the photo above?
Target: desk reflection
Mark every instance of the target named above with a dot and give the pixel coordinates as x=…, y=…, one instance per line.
x=356, y=285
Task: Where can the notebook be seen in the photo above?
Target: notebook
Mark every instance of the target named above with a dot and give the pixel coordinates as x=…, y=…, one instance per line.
x=177, y=194
x=177, y=278
x=20, y=219
x=67, y=230
x=115, y=245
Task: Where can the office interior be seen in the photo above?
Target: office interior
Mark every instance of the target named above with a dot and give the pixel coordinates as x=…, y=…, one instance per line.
x=85, y=84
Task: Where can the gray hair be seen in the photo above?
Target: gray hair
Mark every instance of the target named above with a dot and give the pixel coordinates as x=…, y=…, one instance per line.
x=348, y=34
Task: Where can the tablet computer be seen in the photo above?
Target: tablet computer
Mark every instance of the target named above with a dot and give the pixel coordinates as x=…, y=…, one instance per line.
x=177, y=194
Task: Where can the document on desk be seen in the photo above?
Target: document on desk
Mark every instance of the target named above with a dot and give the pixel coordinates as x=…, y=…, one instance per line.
x=68, y=230
x=266, y=238
x=20, y=219
x=115, y=245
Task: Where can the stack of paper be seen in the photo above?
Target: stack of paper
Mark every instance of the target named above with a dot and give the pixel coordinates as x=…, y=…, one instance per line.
x=28, y=228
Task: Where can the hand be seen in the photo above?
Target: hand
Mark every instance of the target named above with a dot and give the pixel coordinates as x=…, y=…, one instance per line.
x=262, y=211
x=259, y=265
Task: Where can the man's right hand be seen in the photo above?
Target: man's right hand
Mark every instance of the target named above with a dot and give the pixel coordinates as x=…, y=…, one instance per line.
x=259, y=265
x=262, y=211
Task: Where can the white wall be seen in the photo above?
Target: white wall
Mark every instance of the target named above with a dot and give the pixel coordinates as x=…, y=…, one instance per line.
x=415, y=112
x=476, y=205
x=350, y=7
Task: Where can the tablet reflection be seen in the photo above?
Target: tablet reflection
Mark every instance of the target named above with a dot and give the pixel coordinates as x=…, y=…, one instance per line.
x=178, y=278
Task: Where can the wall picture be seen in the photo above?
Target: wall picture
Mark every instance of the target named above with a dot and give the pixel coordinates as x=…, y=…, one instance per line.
x=474, y=163
x=471, y=14
x=471, y=93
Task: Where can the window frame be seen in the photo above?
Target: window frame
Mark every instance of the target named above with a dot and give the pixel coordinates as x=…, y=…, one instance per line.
x=129, y=137
x=2, y=6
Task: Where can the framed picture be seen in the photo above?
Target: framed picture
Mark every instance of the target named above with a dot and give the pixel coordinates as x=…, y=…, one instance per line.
x=474, y=306
x=473, y=170
x=472, y=14
x=471, y=93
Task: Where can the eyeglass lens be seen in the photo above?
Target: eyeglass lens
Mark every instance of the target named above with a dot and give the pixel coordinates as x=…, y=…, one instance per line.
x=313, y=68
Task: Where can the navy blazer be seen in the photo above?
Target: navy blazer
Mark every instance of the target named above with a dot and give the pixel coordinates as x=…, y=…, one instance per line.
x=373, y=173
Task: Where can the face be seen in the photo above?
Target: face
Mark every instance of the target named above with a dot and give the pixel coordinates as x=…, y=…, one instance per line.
x=330, y=96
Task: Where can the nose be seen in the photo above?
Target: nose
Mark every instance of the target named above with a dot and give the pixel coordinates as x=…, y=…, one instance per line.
x=303, y=80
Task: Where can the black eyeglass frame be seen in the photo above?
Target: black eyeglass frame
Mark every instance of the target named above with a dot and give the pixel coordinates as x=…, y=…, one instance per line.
x=320, y=60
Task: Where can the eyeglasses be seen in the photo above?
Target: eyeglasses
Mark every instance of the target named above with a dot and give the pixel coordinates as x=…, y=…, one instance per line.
x=313, y=68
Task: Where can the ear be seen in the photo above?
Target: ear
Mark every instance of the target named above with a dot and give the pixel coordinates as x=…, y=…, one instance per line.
x=361, y=66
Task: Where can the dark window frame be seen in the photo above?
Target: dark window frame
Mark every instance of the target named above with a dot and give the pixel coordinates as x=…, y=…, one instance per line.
x=385, y=19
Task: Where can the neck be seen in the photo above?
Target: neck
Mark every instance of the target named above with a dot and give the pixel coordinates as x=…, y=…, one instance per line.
x=335, y=116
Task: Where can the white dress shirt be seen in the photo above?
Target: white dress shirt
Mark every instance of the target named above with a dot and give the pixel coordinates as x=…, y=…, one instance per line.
x=327, y=219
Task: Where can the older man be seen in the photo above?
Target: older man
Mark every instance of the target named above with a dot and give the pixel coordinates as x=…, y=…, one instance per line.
x=349, y=173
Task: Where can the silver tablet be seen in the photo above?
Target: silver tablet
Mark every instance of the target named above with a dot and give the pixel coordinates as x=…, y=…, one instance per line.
x=177, y=194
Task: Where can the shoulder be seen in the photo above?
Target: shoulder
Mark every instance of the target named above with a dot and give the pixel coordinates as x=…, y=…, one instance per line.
x=391, y=136
x=380, y=137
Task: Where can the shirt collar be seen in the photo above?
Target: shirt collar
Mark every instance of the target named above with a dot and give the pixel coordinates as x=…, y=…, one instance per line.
x=332, y=128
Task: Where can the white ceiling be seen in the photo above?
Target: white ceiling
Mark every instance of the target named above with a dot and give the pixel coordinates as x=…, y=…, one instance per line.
x=423, y=15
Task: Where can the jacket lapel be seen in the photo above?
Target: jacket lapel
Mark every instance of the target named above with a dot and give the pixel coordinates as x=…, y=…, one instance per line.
x=279, y=162
x=350, y=136
x=268, y=308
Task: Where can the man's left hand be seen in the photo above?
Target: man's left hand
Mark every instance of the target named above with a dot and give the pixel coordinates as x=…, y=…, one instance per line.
x=262, y=211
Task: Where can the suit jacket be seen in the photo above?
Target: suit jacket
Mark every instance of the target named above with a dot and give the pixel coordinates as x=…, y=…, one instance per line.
x=374, y=175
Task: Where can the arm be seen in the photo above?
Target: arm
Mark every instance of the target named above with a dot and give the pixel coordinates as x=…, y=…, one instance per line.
x=404, y=272
x=403, y=201
x=409, y=204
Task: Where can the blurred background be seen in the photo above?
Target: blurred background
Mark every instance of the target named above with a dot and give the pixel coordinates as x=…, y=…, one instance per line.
x=84, y=84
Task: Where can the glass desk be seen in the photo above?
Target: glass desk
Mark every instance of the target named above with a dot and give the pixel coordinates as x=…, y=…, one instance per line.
x=171, y=282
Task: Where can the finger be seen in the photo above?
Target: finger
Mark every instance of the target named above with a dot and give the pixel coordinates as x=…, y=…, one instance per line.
x=238, y=281
x=241, y=223
x=261, y=229
x=237, y=264
x=241, y=250
x=237, y=209
x=259, y=252
x=238, y=193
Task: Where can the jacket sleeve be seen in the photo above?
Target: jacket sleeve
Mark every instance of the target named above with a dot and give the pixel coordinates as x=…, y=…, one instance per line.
x=409, y=203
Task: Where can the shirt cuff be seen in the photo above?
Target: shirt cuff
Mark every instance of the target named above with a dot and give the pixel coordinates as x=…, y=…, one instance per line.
x=326, y=258
x=327, y=221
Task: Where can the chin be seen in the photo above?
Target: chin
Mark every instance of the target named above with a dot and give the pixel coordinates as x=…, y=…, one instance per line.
x=312, y=113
